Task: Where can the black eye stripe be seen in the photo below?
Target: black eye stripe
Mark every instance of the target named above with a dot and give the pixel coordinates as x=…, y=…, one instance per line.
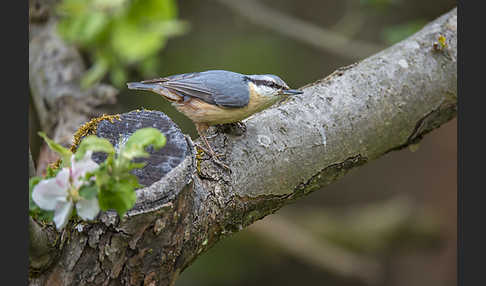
x=265, y=82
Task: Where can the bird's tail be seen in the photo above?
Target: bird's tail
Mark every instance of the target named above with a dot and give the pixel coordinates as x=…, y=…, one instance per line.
x=142, y=86
x=155, y=87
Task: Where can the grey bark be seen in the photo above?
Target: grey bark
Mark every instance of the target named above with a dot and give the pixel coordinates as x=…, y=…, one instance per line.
x=383, y=103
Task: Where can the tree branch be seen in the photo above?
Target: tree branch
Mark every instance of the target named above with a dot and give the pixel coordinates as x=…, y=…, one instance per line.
x=321, y=253
x=342, y=243
x=303, y=31
x=355, y=115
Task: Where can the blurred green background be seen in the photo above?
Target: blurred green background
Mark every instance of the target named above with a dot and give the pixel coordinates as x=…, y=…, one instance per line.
x=397, y=213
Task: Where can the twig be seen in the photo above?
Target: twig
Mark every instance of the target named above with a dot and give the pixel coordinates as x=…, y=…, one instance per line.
x=351, y=22
x=301, y=30
x=330, y=257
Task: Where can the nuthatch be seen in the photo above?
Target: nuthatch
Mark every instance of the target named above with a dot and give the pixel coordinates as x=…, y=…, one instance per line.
x=217, y=96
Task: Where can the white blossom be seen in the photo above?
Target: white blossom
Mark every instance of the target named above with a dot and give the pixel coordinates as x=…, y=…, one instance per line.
x=61, y=193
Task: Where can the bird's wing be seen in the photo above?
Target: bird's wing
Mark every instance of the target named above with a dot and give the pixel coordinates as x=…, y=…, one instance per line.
x=171, y=78
x=215, y=87
x=185, y=85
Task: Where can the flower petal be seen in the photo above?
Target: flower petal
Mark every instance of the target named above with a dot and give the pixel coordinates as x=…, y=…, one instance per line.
x=79, y=168
x=88, y=209
x=47, y=193
x=62, y=214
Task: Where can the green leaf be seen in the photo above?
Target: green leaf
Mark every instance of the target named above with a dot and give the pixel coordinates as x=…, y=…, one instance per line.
x=83, y=28
x=95, y=144
x=109, y=4
x=134, y=42
x=93, y=25
x=103, y=178
x=171, y=28
x=63, y=152
x=88, y=192
x=119, y=195
x=43, y=215
x=136, y=143
x=152, y=10
x=127, y=31
x=72, y=7
x=133, y=165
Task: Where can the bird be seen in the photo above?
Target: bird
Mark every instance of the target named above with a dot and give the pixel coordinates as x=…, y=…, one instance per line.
x=217, y=96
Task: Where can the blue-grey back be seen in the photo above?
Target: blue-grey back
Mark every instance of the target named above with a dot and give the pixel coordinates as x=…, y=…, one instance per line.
x=224, y=88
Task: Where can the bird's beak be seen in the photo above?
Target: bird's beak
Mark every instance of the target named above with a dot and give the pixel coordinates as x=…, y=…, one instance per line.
x=291, y=92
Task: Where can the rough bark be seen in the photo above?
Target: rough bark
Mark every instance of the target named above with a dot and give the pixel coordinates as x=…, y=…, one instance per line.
x=357, y=114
